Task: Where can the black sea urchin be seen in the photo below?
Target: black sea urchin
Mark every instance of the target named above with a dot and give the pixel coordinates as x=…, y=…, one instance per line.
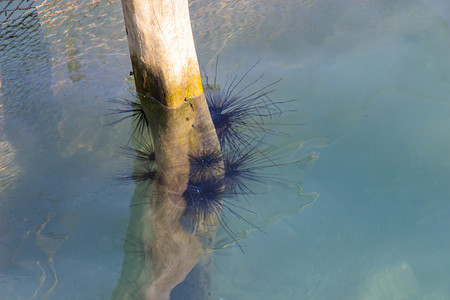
x=145, y=170
x=131, y=109
x=238, y=113
x=143, y=152
x=205, y=165
x=203, y=200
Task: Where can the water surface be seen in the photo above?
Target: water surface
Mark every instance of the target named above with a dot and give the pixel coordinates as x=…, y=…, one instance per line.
x=370, y=79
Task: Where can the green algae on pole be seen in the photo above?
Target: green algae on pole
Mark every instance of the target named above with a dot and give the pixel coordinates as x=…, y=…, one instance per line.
x=162, y=50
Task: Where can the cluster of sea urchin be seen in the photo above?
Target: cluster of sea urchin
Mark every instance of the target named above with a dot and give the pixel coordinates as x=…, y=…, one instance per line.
x=238, y=113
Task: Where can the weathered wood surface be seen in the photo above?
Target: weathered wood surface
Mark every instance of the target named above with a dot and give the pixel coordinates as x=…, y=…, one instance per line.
x=162, y=50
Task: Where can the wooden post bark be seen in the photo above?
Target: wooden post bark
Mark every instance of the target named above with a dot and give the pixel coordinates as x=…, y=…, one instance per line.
x=162, y=50
x=159, y=251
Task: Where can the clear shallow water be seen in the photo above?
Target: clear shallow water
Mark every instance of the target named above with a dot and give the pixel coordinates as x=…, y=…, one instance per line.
x=372, y=88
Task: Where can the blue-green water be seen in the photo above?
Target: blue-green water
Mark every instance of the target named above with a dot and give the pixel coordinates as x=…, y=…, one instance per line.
x=371, y=84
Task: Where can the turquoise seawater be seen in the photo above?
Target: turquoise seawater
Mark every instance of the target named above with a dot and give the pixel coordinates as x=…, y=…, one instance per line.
x=368, y=132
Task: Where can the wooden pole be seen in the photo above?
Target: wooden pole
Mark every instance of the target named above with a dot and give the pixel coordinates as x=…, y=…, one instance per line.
x=159, y=251
x=162, y=50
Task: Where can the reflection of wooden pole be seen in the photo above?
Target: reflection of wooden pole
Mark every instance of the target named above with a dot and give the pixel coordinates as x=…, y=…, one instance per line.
x=160, y=252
